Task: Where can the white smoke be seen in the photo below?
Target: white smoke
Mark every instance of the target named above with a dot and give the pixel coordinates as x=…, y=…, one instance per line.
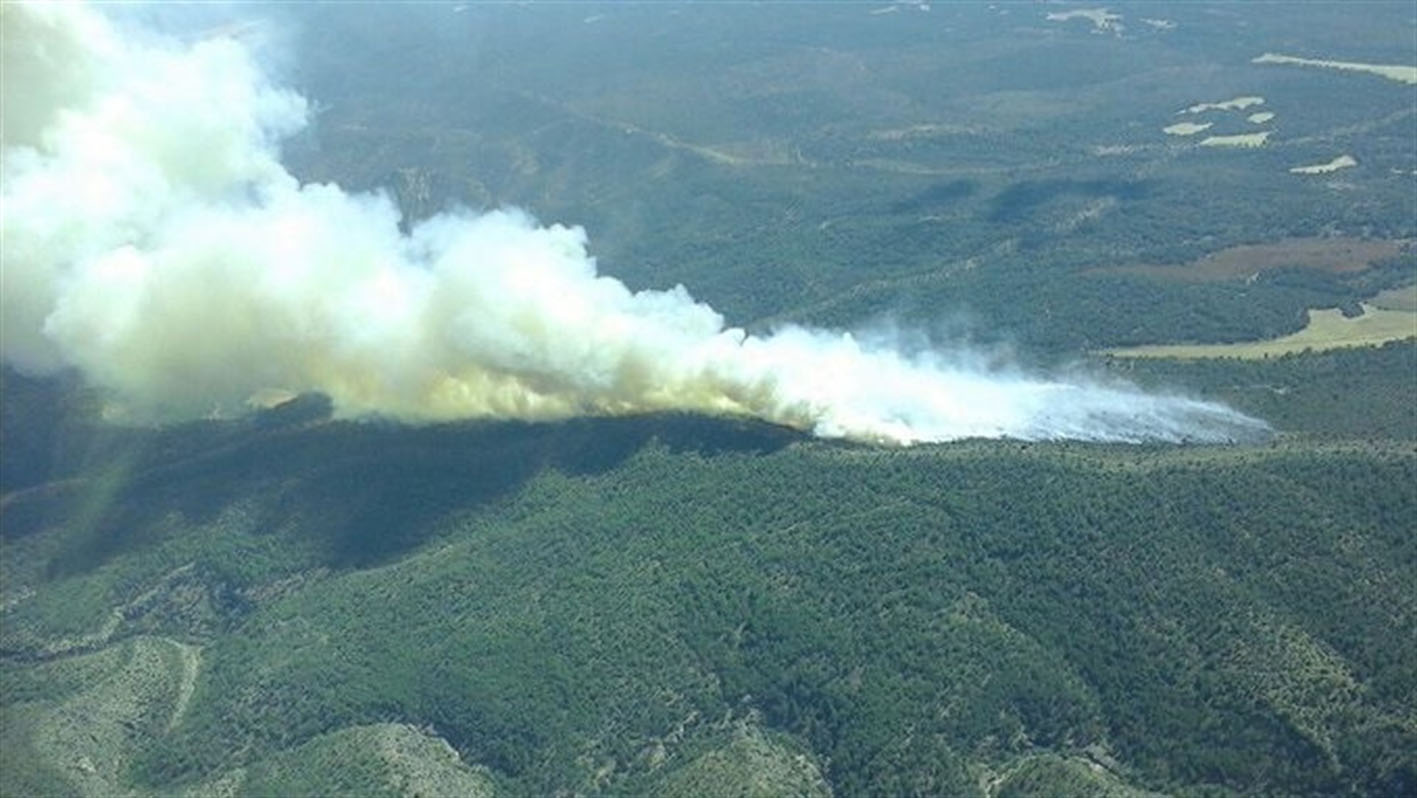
x=152, y=240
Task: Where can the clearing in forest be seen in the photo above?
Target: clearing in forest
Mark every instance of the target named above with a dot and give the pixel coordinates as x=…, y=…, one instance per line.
x=1245, y=140
x=1236, y=104
x=1327, y=329
x=1404, y=298
x=1341, y=162
x=1398, y=72
x=1101, y=18
x=1185, y=128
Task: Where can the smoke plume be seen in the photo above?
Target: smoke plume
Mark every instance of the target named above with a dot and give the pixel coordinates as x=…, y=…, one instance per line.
x=152, y=240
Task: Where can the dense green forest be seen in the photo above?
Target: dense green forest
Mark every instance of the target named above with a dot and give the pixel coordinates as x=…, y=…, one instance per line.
x=648, y=604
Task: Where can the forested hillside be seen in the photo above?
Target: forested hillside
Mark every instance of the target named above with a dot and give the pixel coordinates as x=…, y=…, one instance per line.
x=655, y=604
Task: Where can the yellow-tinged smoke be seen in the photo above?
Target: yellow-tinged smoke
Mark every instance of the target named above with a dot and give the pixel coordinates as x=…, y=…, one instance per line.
x=152, y=240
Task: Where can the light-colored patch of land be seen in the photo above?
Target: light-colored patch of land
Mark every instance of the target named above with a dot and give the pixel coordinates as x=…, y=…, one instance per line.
x=1341, y=162
x=1235, y=104
x=1102, y=20
x=1248, y=260
x=1104, y=150
x=381, y=758
x=90, y=737
x=1403, y=298
x=751, y=764
x=924, y=131
x=1064, y=775
x=763, y=151
x=1260, y=118
x=1327, y=329
x=84, y=641
x=190, y=658
x=1242, y=140
x=1186, y=128
x=1398, y=72
x=421, y=763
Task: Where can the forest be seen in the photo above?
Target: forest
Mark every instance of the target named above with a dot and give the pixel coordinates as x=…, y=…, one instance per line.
x=618, y=605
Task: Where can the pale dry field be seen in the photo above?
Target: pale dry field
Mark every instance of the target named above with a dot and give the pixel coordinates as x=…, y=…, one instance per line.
x=1101, y=18
x=1398, y=72
x=1236, y=104
x=1341, y=162
x=1241, y=140
x=1185, y=128
x=1327, y=329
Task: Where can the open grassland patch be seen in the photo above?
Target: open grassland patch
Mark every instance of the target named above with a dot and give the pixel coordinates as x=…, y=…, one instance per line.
x=1242, y=140
x=1101, y=18
x=1398, y=72
x=1236, y=104
x=1341, y=162
x=1186, y=128
x=1402, y=298
x=1327, y=329
x=1324, y=254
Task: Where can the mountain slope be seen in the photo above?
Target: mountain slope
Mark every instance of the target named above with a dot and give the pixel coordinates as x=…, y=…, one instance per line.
x=639, y=605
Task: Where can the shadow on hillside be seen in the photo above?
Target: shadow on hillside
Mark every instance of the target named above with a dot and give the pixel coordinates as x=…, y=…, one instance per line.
x=359, y=493
x=1018, y=201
